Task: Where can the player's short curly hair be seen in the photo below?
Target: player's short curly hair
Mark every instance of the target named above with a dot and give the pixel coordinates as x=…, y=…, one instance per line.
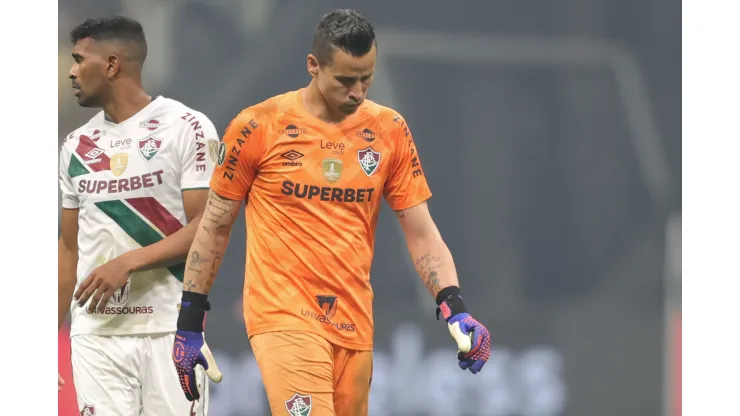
x=342, y=29
x=114, y=29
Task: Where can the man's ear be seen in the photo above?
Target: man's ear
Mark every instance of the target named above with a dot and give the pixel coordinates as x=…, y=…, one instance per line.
x=312, y=65
x=114, y=66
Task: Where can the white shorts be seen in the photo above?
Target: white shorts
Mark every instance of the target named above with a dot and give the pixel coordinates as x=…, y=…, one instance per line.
x=131, y=376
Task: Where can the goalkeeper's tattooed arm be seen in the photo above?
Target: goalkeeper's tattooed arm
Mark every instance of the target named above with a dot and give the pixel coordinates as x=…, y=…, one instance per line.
x=202, y=264
x=209, y=245
x=435, y=266
x=432, y=258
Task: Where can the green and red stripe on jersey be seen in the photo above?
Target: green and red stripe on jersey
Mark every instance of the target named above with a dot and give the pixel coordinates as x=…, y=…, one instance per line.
x=89, y=156
x=144, y=219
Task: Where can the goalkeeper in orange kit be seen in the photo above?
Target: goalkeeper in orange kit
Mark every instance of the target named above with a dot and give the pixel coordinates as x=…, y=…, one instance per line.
x=313, y=165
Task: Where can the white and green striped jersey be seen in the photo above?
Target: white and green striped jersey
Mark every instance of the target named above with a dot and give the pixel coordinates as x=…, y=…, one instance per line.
x=127, y=181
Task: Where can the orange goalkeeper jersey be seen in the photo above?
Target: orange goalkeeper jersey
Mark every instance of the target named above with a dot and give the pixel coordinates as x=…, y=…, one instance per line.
x=313, y=192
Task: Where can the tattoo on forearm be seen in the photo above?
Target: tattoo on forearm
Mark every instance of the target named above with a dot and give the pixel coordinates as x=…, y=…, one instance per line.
x=216, y=261
x=194, y=257
x=219, y=212
x=194, y=269
x=195, y=261
x=427, y=266
x=217, y=253
x=206, y=275
x=433, y=282
x=208, y=249
x=190, y=285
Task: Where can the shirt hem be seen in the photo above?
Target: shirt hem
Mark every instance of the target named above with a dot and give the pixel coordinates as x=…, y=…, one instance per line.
x=412, y=203
x=194, y=188
x=225, y=193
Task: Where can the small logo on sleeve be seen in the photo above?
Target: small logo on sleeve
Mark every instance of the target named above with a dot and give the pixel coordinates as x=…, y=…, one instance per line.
x=299, y=405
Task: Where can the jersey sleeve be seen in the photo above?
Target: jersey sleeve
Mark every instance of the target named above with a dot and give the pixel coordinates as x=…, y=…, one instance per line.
x=406, y=185
x=239, y=155
x=198, y=154
x=70, y=200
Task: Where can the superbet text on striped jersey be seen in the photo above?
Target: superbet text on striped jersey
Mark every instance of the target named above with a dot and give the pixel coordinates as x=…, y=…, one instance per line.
x=127, y=181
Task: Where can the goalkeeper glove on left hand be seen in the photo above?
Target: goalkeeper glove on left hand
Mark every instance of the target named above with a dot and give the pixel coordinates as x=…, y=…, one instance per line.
x=473, y=339
x=190, y=348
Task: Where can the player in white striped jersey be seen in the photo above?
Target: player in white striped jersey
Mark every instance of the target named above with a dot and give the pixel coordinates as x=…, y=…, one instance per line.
x=134, y=182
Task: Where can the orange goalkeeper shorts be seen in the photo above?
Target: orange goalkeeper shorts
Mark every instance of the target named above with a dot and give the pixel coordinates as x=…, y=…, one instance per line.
x=305, y=374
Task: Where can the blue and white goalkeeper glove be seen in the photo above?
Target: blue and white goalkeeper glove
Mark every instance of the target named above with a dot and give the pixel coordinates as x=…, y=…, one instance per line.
x=190, y=348
x=472, y=338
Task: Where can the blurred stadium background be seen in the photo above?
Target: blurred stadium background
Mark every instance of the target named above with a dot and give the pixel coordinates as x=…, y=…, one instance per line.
x=550, y=133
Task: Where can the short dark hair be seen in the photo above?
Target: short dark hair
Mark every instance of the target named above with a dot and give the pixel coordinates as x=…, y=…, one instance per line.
x=342, y=29
x=114, y=29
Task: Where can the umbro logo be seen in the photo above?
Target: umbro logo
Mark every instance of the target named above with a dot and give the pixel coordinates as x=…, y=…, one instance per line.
x=292, y=155
x=93, y=156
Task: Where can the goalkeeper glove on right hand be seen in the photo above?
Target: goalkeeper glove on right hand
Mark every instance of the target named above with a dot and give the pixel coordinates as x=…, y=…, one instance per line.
x=473, y=339
x=190, y=348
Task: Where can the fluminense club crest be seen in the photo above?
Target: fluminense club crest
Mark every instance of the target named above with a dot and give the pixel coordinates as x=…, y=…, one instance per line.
x=369, y=160
x=299, y=405
x=88, y=410
x=149, y=147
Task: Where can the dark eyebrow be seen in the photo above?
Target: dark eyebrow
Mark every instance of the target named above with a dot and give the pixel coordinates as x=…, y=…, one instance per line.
x=346, y=78
x=76, y=56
